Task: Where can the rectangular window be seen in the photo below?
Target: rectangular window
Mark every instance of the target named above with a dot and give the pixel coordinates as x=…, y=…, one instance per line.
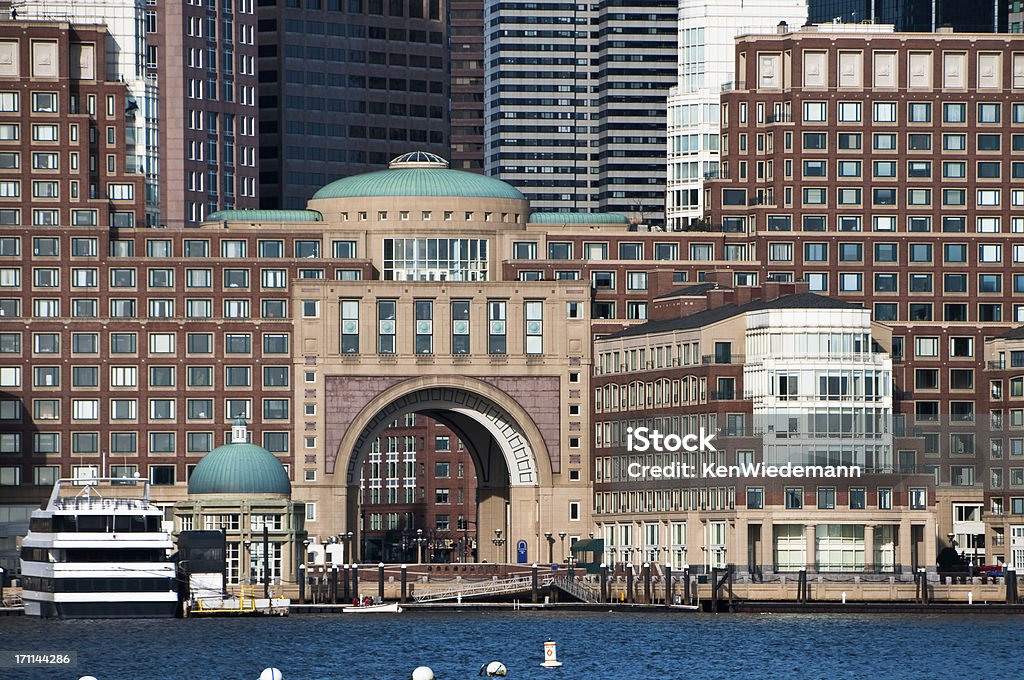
x=534, y=317
x=424, y=331
x=386, y=326
x=460, y=327
x=496, y=331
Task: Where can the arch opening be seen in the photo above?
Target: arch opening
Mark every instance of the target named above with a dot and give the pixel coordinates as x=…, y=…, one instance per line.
x=507, y=453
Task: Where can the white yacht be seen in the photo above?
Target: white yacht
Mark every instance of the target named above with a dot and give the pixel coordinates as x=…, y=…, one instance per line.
x=98, y=550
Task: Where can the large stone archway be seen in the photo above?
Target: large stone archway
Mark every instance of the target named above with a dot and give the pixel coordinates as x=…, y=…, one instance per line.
x=515, y=452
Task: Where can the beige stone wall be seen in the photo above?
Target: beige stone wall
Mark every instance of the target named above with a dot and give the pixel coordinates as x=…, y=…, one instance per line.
x=545, y=395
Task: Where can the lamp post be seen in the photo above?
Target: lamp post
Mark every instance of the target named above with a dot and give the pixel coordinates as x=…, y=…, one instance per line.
x=561, y=537
x=419, y=541
x=346, y=542
x=498, y=541
x=551, y=546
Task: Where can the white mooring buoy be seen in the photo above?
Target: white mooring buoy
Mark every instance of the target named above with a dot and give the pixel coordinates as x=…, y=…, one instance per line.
x=550, y=655
x=87, y=677
x=422, y=673
x=494, y=669
x=271, y=674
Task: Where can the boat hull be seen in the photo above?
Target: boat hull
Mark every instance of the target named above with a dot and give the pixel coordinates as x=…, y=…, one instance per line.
x=101, y=610
x=374, y=609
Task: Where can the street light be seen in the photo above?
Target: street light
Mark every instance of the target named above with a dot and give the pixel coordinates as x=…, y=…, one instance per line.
x=419, y=541
x=561, y=537
x=499, y=542
x=551, y=546
x=346, y=540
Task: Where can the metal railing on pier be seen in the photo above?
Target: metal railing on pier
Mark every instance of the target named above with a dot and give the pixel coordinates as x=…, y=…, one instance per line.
x=464, y=589
x=581, y=590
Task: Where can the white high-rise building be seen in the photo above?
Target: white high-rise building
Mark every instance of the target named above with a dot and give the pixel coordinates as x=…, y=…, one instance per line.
x=126, y=49
x=707, y=31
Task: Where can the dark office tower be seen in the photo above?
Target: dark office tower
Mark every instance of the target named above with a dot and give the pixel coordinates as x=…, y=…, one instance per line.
x=975, y=16
x=965, y=16
x=636, y=58
x=466, y=45
x=345, y=86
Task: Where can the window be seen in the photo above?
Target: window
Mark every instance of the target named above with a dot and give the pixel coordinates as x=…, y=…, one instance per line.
x=424, y=329
x=988, y=142
x=496, y=342
x=815, y=252
x=884, y=168
x=849, y=141
x=851, y=252
x=990, y=253
x=918, y=498
x=849, y=112
x=955, y=252
x=886, y=252
x=386, y=326
x=815, y=112
x=988, y=112
x=534, y=317
x=920, y=252
x=954, y=113
x=826, y=498
x=460, y=327
x=851, y=282
x=794, y=498
x=884, y=196
x=921, y=141
x=885, y=112
x=755, y=498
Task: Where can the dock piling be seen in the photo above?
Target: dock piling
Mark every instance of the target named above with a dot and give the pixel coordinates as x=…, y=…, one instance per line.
x=668, y=585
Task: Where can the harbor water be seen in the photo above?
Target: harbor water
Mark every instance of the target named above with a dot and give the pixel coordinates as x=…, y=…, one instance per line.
x=592, y=646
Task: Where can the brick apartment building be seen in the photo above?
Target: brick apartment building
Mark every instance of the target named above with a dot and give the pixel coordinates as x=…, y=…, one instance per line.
x=887, y=170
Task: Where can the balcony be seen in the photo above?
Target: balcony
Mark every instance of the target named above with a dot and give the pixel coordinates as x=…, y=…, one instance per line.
x=782, y=118
x=722, y=359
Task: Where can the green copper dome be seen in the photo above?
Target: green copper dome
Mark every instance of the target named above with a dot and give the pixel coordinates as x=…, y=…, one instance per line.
x=239, y=468
x=419, y=174
x=265, y=216
x=577, y=218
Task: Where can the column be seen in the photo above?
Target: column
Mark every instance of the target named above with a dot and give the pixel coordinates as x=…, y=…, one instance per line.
x=904, y=547
x=929, y=547
x=869, y=548
x=810, y=540
x=767, y=557
x=738, y=554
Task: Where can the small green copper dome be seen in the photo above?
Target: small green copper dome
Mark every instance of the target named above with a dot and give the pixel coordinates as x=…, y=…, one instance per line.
x=240, y=468
x=419, y=174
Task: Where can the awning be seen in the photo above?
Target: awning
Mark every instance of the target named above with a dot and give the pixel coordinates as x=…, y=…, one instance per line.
x=595, y=545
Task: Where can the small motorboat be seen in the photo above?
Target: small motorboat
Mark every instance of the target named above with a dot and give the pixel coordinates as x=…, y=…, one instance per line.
x=388, y=607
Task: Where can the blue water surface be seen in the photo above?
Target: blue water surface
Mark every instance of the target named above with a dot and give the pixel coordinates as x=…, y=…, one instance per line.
x=595, y=645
